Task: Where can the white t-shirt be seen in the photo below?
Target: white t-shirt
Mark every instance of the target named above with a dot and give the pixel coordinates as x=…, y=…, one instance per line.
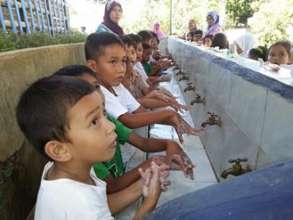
x=122, y=103
x=71, y=200
x=138, y=67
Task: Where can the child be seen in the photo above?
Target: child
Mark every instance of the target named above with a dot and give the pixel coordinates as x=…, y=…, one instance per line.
x=257, y=53
x=197, y=36
x=138, y=87
x=63, y=118
x=280, y=53
x=220, y=40
x=105, y=53
x=113, y=171
x=208, y=40
x=152, y=91
x=189, y=36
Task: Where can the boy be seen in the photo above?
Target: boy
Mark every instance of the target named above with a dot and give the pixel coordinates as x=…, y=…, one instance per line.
x=113, y=171
x=105, y=54
x=63, y=118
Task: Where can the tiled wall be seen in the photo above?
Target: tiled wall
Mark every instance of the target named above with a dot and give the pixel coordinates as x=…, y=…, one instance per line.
x=256, y=111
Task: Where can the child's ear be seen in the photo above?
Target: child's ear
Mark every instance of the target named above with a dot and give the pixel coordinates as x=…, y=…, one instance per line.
x=58, y=151
x=92, y=64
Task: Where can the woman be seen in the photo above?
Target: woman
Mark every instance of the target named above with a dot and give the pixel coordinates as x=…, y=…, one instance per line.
x=157, y=29
x=213, y=23
x=112, y=16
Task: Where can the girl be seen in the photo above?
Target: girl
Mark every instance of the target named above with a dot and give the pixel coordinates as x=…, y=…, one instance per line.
x=279, y=53
x=112, y=16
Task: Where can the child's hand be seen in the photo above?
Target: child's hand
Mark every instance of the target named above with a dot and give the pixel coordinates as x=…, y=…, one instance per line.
x=151, y=184
x=178, y=160
x=182, y=127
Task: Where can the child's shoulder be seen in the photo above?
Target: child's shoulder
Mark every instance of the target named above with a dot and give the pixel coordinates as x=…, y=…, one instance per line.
x=69, y=196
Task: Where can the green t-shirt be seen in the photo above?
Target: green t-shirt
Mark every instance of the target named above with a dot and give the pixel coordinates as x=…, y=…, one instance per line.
x=147, y=68
x=114, y=167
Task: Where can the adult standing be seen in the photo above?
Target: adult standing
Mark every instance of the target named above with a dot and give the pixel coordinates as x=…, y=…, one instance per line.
x=112, y=16
x=157, y=30
x=214, y=27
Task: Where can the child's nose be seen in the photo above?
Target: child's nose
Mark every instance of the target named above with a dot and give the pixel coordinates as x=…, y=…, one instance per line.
x=110, y=127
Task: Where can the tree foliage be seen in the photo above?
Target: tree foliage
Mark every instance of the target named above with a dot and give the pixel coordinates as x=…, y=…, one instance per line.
x=272, y=21
x=238, y=11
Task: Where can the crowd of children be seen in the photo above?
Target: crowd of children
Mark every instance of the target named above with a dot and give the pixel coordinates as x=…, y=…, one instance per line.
x=279, y=53
x=79, y=117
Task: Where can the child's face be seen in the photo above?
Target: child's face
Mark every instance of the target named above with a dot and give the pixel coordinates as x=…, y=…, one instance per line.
x=146, y=55
x=154, y=43
x=92, y=137
x=278, y=55
x=197, y=37
x=139, y=51
x=208, y=42
x=116, y=14
x=111, y=64
x=188, y=37
x=131, y=53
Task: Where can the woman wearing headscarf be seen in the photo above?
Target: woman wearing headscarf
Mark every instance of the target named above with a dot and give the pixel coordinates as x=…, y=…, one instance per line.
x=112, y=16
x=213, y=23
x=157, y=30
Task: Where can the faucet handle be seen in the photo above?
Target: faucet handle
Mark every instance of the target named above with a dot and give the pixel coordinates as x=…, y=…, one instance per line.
x=238, y=160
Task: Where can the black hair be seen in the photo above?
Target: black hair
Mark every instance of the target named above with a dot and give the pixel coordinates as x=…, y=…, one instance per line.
x=42, y=111
x=128, y=41
x=209, y=36
x=135, y=37
x=146, y=46
x=96, y=42
x=75, y=71
x=155, y=36
x=286, y=44
x=145, y=35
x=220, y=40
x=258, y=52
x=198, y=32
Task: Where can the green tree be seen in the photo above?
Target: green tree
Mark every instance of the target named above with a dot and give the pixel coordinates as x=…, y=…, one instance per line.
x=272, y=21
x=238, y=12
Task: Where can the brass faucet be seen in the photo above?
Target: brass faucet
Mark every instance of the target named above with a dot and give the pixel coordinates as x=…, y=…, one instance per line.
x=183, y=78
x=212, y=120
x=189, y=88
x=236, y=169
x=198, y=99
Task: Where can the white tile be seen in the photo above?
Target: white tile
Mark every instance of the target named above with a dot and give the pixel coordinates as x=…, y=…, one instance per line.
x=278, y=128
x=247, y=107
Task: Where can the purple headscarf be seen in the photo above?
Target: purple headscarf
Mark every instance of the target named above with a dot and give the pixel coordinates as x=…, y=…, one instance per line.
x=215, y=27
x=107, y=20
x=157, y=30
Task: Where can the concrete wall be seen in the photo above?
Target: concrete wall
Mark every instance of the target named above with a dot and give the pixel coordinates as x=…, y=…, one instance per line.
x=18, y=70
x=256, y=110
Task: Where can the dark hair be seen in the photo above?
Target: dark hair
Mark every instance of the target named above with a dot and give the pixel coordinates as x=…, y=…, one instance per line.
x=258, y=52
x=75, y=71
x=135, y=37
x=146, y=46
x=286, y=44
x=155, y=36
x=128, y=41
x=220, y=40
x=42, y=111
x=145, y=35
x=198, y=32
x=96, y=42
x=209, y=36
